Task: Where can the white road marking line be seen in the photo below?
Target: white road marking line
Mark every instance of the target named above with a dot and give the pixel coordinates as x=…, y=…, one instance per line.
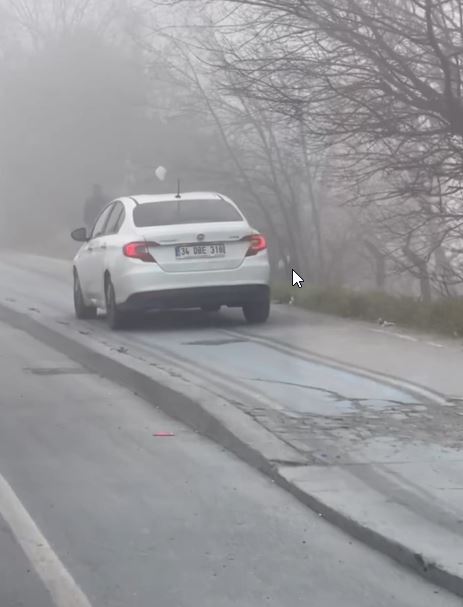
x=408, y=338
x=63, y=589
x=399, y=335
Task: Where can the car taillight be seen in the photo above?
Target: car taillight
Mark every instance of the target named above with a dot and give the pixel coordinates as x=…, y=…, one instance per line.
x=139, y=250
x=257, y=243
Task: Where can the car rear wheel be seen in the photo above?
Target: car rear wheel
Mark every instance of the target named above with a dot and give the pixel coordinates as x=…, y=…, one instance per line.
x=114, y=317
x=257, y=312
x=82, y=310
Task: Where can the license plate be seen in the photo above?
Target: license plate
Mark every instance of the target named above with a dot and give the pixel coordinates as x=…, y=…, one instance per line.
x=195, y=251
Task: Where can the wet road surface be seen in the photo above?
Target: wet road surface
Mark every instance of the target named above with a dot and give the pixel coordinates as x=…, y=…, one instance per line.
x=175, y=521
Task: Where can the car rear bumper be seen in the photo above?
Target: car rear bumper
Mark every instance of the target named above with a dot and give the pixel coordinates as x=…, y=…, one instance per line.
x=136, y=281
x=232, y=296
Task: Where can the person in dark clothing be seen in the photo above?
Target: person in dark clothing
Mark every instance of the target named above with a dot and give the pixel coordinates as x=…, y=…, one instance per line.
x=93, y=205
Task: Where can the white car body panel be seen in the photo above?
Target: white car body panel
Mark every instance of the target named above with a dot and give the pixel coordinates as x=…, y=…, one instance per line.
x=136, y=278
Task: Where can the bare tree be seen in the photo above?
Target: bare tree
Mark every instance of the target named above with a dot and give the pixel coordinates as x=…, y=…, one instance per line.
x=384, y=81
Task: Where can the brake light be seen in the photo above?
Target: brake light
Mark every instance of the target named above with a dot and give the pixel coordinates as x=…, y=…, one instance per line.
x=257, y=243
x=139, y=250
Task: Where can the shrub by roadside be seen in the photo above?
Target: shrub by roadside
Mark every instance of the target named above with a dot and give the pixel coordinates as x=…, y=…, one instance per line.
x=444, y=315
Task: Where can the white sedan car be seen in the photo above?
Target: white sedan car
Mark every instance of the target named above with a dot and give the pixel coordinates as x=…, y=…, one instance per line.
x=194, y=250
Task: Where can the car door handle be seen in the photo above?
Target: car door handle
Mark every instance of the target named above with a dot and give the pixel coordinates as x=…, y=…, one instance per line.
x=103, y=246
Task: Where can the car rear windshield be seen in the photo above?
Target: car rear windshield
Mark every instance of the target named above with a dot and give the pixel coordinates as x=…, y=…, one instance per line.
x=184, y=211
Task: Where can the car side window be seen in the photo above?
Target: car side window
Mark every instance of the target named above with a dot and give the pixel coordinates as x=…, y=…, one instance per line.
x=115, y=220
x=100, y=224
x=120, y=219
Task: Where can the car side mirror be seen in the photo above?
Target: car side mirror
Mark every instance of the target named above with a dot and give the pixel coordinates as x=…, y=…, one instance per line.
x=80, y=235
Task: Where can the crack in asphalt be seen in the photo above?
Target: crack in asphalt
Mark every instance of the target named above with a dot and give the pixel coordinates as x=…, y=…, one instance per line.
x=336, y=396
x=57, y=371
x=215, y=342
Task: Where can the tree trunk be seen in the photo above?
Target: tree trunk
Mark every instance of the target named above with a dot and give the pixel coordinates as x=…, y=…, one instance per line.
x=380, y=264
x=423, y=274
x=317, y=224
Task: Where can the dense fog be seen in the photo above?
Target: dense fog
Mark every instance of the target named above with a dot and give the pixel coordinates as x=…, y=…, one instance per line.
x=336, y=126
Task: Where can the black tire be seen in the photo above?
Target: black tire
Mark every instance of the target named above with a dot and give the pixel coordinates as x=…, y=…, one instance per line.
x=114, y=317
x=210, y=308
x=257, y=312
x=82, y=310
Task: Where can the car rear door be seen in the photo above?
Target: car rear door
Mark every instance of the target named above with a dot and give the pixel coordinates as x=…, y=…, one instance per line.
x=211, y=234
x=109, y=247
x=93, y=254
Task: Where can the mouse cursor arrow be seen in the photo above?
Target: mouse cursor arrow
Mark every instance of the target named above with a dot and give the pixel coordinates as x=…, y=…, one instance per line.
x=297, y=280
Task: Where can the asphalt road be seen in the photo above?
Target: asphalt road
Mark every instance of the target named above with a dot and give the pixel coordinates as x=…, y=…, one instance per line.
x=215, y=345
x=110, y=515
x=141, y=520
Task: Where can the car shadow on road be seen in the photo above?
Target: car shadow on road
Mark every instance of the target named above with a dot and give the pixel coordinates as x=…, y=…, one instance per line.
x=184, y=320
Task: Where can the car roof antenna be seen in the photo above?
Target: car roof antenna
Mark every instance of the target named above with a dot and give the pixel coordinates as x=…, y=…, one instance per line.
x=178, y=189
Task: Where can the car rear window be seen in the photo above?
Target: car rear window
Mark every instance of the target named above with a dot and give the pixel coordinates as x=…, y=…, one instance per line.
x=184, y=211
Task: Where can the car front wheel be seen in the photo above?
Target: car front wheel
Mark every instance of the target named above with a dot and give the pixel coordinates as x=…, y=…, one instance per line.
x=82, y=310
x=257, y=312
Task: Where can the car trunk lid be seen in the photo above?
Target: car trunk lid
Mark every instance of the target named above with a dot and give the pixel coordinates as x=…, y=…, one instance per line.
x=195, y=248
